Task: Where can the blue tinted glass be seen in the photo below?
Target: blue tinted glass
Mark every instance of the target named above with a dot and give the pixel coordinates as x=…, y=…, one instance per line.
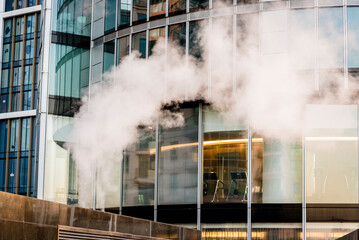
x=23, y=175
x=9, y=5
x=353, y=37
x=331, y=36
x=110, y=15
x=124, y=8
x=12, y=174
x=108, y=55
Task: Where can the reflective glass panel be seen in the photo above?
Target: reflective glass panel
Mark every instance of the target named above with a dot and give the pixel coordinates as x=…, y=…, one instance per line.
x=139, y=43
x=331, y=143
x=110, y=15
x=139, y=11
x=9, y=5
x=353, y=37
x=139, y=169
x=124, y=13
x=225, y=165
x=108, y=55
x=276, y=169
x=157, y=9
x=123, y=48
x=331, y=38
x=154, y=35
x=177, y=34
x=178, y=161
x=195, y=5
x=176, y=7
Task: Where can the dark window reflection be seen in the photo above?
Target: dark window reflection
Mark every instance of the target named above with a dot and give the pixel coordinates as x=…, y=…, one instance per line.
x=139, y=11
x=9, y=5
x=124, y=9
x=178, y=161
x=177, y=34
x=157, y=9
x=195, y=48
x=154, y=35
x=176, y=7
x=139, y=43
x=195, y=5
x=110, y=15
x=3, y=141
x=123, y=48
x=108, y=55
x=139, y=169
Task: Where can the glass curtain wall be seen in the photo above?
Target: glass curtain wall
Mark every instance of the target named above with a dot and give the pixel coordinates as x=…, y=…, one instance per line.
x=139, y=43
x=18, y=4
x=123, y=48
x=178, y=158
x=69, y=79
x=139, y=11
x=124, y=13
x=18, y=93
x=225, y=163
x=139, y=169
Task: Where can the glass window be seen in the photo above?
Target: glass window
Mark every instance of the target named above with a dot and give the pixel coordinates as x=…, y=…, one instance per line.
x=331, y=143
x=9, y=5
x=225, y=165
x=29, y=52
x=353, y=37
x=108, y=55
x=195, y=48
x=276, y=169
x=7, y=28
x=14, y=134
x=139, y=169
x=123, y=48
x=18, y=51
x=176, y=7
x=3, y=140
x=6, y=53
x=139, y=11
x=15, y=101
x=31, y=3
x=19, y=28
x=20, y=4
x=157, y=9
x=17, y=77
x=110, y=15
x=5, y=78
x=154, y=35
x=124, y=12
x=195, y=5
x=30, y=24
x=331, y=38
x=302, y=48
x=139, y=43
x=177, y=34
x=178, y=161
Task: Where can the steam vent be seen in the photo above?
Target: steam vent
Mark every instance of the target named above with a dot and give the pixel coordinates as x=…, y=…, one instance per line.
x=179, y=119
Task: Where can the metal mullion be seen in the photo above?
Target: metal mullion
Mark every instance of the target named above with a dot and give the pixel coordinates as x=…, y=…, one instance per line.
x=249, y=193
x=26, y=3
x=29, y=159
x=23, y=64
x=234, y=53
x=156, y=171
x=12, y=63
x=7, y=156
x=15, y=4
x=34, y=64
x=304, y=190
x=316, y=71
x=18, y=158
x=345, y=21
x=199, y=165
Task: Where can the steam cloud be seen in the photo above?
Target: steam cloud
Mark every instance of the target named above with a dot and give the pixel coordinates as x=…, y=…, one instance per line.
x=258, y=85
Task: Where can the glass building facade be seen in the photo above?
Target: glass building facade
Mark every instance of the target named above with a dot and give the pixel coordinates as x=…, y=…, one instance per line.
x=20, y=37
x=230, y=179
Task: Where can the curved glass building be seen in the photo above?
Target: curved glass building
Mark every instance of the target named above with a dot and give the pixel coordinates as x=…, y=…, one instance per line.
x=231, y=180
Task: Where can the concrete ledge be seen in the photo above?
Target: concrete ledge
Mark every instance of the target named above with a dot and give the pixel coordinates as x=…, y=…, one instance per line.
x=21, y=212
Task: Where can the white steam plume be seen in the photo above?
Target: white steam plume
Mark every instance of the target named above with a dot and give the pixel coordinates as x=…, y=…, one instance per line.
x=269, y=92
